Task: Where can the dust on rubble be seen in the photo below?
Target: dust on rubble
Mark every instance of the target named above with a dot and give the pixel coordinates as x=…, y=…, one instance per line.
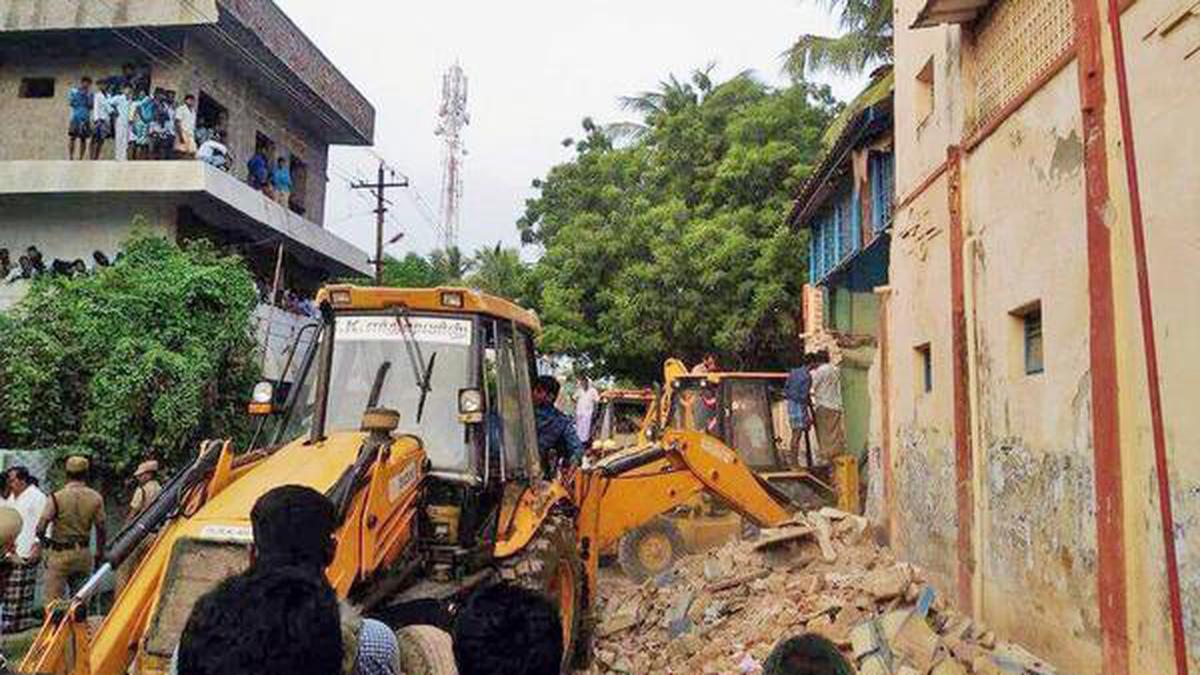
x=724, y=610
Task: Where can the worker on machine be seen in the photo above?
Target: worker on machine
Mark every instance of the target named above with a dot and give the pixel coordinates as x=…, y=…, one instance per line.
x=73, y=511
x=558, y=444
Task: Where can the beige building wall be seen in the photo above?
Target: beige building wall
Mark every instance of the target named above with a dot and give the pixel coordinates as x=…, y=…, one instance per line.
x=1033, y=556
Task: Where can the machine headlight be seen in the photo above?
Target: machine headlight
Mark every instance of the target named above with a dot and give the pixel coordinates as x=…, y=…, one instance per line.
x=452, y=299
x=264, y=392
x=340, y=297
x=470, y=401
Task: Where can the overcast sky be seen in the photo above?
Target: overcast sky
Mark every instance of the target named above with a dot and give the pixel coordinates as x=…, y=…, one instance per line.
x=535, y=69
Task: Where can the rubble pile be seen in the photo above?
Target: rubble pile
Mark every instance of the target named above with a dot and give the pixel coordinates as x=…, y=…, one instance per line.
x=724, y=610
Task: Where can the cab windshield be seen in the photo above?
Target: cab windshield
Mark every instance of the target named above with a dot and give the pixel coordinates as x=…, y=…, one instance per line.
x=439, y=346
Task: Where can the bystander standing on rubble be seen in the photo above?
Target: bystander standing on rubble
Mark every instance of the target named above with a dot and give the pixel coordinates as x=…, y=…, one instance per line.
x=70, y=515
x=586, y=397
x=22, y=562
x=79, y=127
x=827, y=407
x=798, y=390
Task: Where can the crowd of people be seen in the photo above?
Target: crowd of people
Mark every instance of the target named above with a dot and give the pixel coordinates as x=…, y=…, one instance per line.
x=141, y=123
x=32, y=264
x=287, y=299
x=147, y=124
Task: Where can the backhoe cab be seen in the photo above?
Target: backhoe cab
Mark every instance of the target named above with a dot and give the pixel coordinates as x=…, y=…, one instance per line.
x=412, y=411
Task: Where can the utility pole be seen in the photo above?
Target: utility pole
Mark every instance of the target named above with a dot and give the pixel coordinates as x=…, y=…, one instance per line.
x=379, y=187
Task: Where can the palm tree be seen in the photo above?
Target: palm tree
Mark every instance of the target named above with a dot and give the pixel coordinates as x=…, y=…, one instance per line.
x=499, y=271
x=866, y=41
x=449, y=264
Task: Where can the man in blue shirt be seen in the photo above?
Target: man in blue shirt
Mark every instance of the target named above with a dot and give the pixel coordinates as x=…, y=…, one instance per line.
x=798, y=391
x=281, y=182
x=557, y=441
x=80, y=126
x=257, y=171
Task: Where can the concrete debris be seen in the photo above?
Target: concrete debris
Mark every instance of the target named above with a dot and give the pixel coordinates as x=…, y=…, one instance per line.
x=724, y=610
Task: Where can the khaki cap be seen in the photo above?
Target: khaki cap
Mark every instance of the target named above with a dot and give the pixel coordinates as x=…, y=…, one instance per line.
x=149, y=466
x=10, y=525
x=77, y=464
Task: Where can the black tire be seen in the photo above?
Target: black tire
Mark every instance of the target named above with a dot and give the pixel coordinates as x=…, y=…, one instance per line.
x=540, y=567
x=425, y=650
x=630, y=552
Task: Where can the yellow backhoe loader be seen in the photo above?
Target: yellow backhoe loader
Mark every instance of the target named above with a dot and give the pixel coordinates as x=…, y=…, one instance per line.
x=412, y=412
x=746, y=412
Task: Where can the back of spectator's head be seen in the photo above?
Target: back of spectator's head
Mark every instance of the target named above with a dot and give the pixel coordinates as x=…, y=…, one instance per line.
x=806, y=655
x=278, y=621
x=26, y=264
x=294, y=526
x=78, y=266
x=190, y=98
x=507, y=630
x=33, y=252
x=59, y=266
x=3, y=255
x=85, y=80
x=549, y=385
x=100, y=258
x=282, y=161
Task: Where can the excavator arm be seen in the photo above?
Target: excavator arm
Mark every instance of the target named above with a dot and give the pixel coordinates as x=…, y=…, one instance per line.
x=628, y=490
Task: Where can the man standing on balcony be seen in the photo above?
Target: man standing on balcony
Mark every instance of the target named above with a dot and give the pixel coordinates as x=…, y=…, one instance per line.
x=185, y=128
x=281, y=182
x=101, y=118
x=80, y=126
x=122, y=105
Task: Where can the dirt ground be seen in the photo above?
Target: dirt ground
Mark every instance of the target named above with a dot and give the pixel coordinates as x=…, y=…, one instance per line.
x=724, y=610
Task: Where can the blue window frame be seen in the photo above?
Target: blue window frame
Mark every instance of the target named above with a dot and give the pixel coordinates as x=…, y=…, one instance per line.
x=883, y=189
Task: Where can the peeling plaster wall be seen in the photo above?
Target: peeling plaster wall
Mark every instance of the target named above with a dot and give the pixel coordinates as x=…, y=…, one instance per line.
x=1035, y=504
x=1164, y=100
x=1023, y=198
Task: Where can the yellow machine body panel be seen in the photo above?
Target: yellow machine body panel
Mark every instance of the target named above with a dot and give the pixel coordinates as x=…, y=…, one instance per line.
x=377, y=527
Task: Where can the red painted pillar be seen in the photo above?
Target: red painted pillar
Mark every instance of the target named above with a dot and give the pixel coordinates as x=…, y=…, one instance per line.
x=1110, y=510
x=963, y=458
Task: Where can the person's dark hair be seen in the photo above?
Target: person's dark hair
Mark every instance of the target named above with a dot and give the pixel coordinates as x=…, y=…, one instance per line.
x=806, y=655
x=293, y=526
x=823, y=356
x=81, y=476
x=281, y=160
x=548, y=384
x=85, y=80
x=507, y=630
x=189, y=97
x=264, y=622
x=21, y=472
x=100, y=258
x=4, y=254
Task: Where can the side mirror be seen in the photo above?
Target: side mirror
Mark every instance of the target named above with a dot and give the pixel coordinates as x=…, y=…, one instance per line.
x=262, y=400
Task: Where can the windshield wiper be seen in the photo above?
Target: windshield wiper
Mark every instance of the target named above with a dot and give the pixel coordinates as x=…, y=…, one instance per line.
x=422, y=369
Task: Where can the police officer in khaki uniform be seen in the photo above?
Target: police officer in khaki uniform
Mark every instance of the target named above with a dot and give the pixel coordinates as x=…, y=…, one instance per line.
x=71, y=514
x=147, y=490
x=144, y=495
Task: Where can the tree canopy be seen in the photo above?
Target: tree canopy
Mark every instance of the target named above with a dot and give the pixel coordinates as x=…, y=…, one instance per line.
x=672, y=240
x=496, y=270
x=866, y=41
x=143, y=358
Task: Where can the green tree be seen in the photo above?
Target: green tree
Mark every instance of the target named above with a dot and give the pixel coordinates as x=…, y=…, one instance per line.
x=499, y=271
x=866, y=41
x=450, y=266
x=412, y=271
x=675, y=243
x=153, y=354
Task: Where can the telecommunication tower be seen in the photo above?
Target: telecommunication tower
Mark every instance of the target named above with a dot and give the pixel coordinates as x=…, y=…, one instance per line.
x=452, y=118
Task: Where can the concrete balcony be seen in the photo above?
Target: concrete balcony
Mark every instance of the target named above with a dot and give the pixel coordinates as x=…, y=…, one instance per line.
x=69, y=209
